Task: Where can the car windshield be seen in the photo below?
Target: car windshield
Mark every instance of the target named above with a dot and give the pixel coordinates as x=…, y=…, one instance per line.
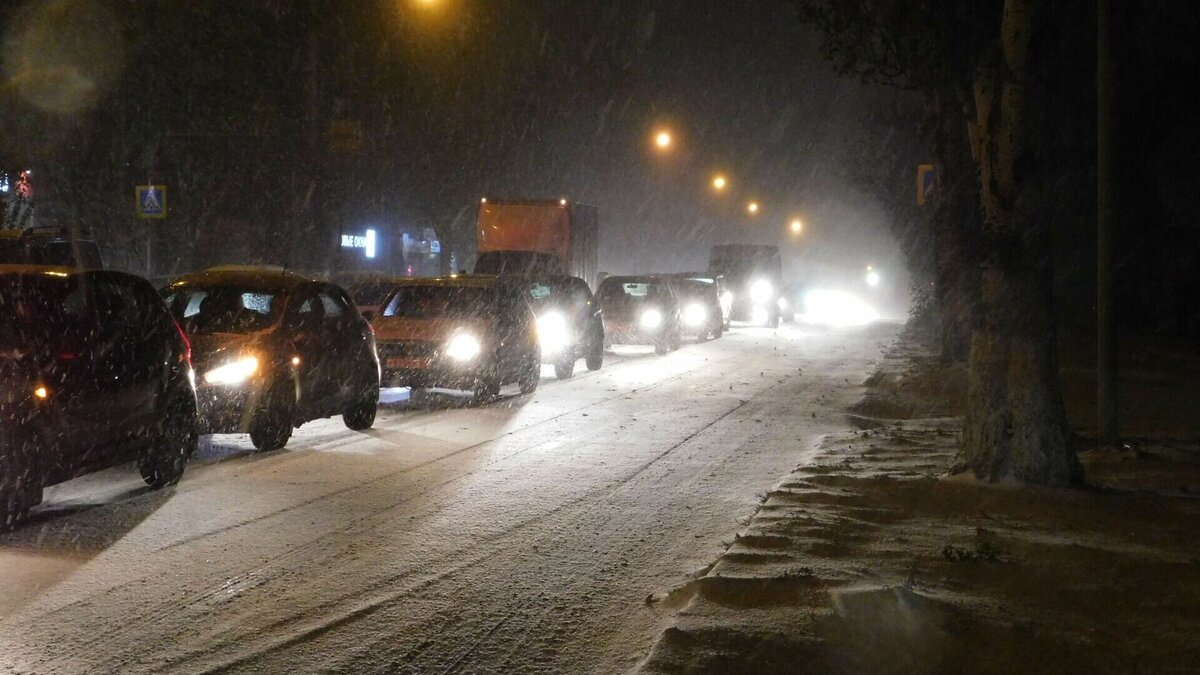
x=437, y=302
x=225, y=308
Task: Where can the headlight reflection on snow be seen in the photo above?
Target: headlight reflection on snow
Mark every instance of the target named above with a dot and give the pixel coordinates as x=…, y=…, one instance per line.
x=837, y=308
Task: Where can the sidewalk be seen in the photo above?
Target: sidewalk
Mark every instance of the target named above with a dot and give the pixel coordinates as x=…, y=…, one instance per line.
x=864, y=559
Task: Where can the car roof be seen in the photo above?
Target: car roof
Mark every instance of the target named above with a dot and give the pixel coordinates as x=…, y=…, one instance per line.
x=636, y=278
x=453, y=281
x=245, y=275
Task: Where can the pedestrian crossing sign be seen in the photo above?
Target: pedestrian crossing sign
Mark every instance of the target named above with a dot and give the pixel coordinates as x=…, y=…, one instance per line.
x=151, y=201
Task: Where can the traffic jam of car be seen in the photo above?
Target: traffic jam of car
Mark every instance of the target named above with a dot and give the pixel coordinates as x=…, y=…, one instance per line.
x=99, y=368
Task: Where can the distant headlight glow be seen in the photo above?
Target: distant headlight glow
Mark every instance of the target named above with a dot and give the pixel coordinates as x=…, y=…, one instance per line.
x=761, y=292
x=463, y=347
x=695, y=314
x=837, y=308
x=651, y=319
x=234, y=372
x=553, y=332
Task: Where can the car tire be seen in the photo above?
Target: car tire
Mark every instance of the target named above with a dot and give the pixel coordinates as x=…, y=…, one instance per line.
x=662, y=347
x=773, y=321
x=272, y=425
x=19, y=492
x=676, y=340
x=718, y=332
x=360, y=414
x=531, y=376
x=563, y=370
x=175, y=443
x=595, y=360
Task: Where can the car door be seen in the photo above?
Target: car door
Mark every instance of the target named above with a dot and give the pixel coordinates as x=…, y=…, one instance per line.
x=130, y=356
x=512, y=324
x=305, y=330
x=344, y=338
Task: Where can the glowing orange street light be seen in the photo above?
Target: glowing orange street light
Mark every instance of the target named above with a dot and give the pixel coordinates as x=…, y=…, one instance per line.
x=719, y=183
x=752, y=208
x=663, y=140
x=797, y=226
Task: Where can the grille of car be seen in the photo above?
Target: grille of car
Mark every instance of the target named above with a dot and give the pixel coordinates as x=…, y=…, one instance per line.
x=408, y=349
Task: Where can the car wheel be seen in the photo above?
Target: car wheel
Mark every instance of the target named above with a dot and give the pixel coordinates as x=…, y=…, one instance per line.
x=773, y=321
x=174, y=444
x=360, y=414
x=661, y=347
x=531, y=376
x=676, y=340
x=702, y=336
x=596, y=359
x=19, y=491
x=718, y=332
x=272, y=424
x=563, y=370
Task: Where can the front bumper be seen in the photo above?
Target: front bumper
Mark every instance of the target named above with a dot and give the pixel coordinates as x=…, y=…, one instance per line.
x=629, y=333
x=400, y=367
x=226, y=409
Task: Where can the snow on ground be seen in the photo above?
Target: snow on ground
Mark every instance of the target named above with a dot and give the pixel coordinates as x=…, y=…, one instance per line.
x=519, y=536
x=863, y=559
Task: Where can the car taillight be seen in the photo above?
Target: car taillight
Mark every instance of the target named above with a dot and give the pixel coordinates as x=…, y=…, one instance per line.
x=187, y=344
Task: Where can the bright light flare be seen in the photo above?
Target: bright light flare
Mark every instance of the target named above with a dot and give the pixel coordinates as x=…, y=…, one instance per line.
x=41, y=393
x=719, y=183
x=553, y=333
x=752, y=207
x=695, y=315
x=663, y=140
x=234, y=372
x=651, y=319
x=797, y=226
x=463, y=347
x=761, y=292
x=873, y=278
x=837, y=308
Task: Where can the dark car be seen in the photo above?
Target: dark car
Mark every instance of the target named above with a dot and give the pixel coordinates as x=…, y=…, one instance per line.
x=640, y=310
x=93, y=373
x=368, y=294
x=274, y=350
x=470, y=332
x=48, y=245
x=701, y=310
x=569, y=323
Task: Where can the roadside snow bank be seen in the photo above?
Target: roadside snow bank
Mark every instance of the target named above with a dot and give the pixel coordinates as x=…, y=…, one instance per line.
x=865, y=560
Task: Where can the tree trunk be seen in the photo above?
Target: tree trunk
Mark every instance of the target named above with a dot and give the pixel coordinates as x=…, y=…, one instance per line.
x=956, y=223
x=1016, y=425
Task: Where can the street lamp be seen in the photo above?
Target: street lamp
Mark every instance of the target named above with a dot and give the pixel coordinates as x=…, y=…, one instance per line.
x=719, y=183
x=663, y=140
x=873, y=277
x=797, y=226
x=752, y=208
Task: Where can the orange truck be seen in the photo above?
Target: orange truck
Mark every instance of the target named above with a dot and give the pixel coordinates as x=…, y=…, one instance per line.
x=538, y=237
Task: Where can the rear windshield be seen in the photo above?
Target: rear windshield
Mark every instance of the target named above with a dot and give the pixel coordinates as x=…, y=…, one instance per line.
x=370, y=294
x=65, y=254
x=614, y=291
x=433, y=302
x=225, y=308
x=43, y=311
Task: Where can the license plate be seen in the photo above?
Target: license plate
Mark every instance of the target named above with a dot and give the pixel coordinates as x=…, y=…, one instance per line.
x=398, y=363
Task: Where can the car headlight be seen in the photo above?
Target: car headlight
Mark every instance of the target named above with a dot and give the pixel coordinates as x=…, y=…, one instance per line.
x=695, y=314
x=761, y=292
x=463, y=347
x=651, y=319
x=234, y=372
x=553, y=332
x=782, y=302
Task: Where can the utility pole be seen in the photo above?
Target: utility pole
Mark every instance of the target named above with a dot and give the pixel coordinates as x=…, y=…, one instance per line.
x=1107, y=430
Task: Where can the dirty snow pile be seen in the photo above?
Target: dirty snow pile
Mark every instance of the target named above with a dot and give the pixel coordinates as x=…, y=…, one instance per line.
x=865, y=559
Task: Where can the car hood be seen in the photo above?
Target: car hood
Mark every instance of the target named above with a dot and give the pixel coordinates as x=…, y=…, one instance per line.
x=397, y=329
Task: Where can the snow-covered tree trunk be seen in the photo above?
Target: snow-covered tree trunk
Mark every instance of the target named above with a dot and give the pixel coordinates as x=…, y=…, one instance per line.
x=1015, y=423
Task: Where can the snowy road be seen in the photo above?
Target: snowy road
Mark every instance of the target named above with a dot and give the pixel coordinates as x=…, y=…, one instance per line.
x=520, y=536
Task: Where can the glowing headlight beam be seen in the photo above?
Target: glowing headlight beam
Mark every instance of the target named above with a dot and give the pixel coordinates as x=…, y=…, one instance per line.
x=234, y=372
x=553, y=332
x=651, y=319
x=463, y=347
x=695, y=314
x=761, y=292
